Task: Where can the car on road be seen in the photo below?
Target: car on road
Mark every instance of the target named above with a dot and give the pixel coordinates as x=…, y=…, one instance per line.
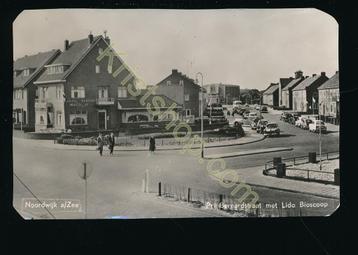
x=316, y=126
x=236, y=121
x=305, y=123
x=272, y=129
x=231, y=131
x=284, y=116
x=264, y=109
x=252, y=115
x=257, y=108
x=261, y=124
x=299, y=121
x=236, y=103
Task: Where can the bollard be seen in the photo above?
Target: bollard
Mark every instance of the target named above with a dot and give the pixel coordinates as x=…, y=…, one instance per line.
x=188, y=194
x=281, y=170
x=312, y=157
x=336, y=176
x=220, y=198
x=276, y=160
x=159, y=188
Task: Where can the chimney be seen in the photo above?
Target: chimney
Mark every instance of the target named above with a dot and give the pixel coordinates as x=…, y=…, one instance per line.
x=313, y=75
x=298, y=74
x=107, y=40
x=67, y=45
x=90, y=38
x=323, y=73
x=175, y=71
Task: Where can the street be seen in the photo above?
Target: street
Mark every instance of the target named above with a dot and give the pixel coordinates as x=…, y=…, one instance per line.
x=115, y=183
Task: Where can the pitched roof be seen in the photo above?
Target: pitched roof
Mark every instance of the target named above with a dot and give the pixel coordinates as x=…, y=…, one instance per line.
x=184, y=77
x=293, y=83
x=36, y=62
x=72, y=56
x=307, y=82
x=133, y=102
x=271, y=89
x=285, y=81
x=332, y=83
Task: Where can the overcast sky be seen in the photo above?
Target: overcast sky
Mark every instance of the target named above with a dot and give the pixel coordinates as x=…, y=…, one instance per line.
x=250, y=48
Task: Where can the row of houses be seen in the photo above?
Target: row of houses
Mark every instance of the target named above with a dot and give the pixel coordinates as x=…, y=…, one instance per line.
x=76, y=89
x=316, y=94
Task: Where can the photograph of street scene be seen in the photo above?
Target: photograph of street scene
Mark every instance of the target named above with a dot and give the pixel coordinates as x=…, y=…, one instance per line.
x=126, y=114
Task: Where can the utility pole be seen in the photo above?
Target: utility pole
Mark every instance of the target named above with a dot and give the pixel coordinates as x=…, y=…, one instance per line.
x=201, y=111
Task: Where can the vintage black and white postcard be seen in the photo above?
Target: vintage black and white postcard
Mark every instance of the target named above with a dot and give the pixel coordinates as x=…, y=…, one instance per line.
x=149, y=113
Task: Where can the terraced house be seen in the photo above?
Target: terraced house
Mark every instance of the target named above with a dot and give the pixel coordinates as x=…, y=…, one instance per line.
x=78, y=92
x=287, y=90
x=26, y=70
x=328, y=92
x=305, y=95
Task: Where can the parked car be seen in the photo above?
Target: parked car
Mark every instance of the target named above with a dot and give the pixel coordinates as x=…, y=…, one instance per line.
x=305, y=123
x=272, y=129
x=317, y=125
x=252, y=115
x=284, y=116
x=236, y=121
x=264, y=109
x=234, y=131
x=261, y=124
x=257, y=108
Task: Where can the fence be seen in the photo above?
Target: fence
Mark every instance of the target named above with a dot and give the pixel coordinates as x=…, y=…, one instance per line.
x=305, y=174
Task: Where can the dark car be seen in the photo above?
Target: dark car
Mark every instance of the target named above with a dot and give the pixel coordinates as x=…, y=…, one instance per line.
x=272, y=129
x=236, y=130
x=264, y=109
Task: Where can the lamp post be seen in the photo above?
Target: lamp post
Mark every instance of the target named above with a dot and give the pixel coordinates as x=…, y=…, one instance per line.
x=201, y=112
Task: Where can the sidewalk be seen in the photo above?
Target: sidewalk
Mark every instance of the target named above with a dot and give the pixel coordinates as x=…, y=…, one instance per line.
x=249, y=138
x=249, y=152
x=253, y=176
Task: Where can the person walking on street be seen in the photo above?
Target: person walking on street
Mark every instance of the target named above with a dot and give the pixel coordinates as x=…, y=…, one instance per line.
x=100, y=144
x=111, y=143
x=151, y=144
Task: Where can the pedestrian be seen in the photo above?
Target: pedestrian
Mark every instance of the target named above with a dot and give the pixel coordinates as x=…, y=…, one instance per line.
x=100, y=144
x=151, y=144
x=111, y=141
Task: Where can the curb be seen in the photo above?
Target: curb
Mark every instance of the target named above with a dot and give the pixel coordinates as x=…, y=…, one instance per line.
x=250, y=153
x=163, y=149
x=286, y=190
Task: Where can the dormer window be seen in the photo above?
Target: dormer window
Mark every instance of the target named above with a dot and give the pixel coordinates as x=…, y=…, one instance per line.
x=26, y=72
x=55, y=69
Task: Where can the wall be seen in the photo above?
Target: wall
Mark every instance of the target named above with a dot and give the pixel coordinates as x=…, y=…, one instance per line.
x=328, y=102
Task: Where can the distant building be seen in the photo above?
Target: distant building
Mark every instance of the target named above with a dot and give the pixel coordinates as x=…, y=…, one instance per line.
x=26, y=70
x=222, y=93
x=328, y=97
x=270, y=96
x=287, y=90
x=305, y=94
x=182, y=90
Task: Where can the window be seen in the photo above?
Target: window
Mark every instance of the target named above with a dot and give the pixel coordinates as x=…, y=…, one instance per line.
x=186, y=97
x=100, y=51
x=42, y=119
x=181, y=82
x=98, y=69
x=55, y=69
x=59, y=93
x=187, y=112
x=122, y=91
x=78, y=117
x=103, y=92
x=19, y=94
x=168, y=83
x=59, y=118
x=26, y=72
x=78, y=92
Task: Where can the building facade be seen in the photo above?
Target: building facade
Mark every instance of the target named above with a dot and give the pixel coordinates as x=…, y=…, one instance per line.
x=305, y=94
x=222, y=93
x=328, y=98
x=26, y=71
x=270, y=96
x=286, y=93
x=182, y=90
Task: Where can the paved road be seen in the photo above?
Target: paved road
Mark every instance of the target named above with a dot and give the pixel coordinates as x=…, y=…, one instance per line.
x=114, y=187
x=302, y=142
